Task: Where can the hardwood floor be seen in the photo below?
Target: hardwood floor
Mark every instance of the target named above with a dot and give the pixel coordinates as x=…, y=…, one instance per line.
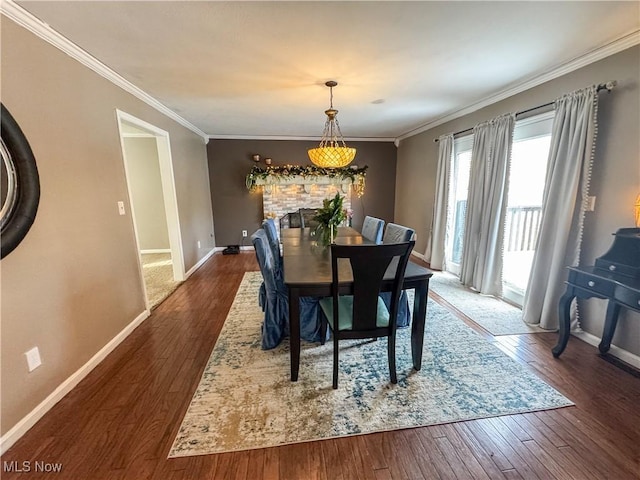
x=120, y=422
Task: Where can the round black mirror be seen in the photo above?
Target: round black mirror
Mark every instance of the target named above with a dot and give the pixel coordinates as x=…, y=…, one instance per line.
x=19, y=184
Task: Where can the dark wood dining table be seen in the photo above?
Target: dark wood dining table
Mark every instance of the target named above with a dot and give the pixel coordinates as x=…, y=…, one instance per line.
x=307, y=272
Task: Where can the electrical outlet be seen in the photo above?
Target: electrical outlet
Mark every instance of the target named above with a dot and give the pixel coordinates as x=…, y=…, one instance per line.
x=33, y=359
x=121, y=208
x=244, y=233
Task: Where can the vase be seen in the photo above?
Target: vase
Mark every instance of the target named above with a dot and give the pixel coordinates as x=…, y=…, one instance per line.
x=325, y=234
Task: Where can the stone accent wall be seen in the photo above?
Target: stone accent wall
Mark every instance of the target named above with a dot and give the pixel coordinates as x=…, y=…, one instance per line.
x=283, y=199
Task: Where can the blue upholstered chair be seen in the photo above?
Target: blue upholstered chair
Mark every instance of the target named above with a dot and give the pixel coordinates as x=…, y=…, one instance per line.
x=394, y=233
x=372, y=229
x=269, y=226
x=274, y=300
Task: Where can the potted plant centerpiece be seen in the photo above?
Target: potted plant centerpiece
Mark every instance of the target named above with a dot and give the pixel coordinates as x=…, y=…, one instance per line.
x=329, y=217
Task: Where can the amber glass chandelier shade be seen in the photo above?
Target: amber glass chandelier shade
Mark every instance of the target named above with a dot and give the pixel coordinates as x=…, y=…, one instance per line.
x=637, y=211
x=332, y=157
x=332, y=151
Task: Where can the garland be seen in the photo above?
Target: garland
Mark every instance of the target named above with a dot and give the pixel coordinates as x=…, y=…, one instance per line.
x=284, y=172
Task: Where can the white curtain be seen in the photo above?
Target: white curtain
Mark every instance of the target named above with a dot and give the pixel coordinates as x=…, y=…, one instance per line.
x=435, y=246
x=481, y=265
x=565, y=197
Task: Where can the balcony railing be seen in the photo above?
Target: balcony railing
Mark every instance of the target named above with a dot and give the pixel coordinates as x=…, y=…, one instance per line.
x=521, y=228
x=522, y=224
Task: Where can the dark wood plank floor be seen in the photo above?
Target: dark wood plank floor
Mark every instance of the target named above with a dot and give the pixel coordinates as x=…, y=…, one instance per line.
x=120, y=422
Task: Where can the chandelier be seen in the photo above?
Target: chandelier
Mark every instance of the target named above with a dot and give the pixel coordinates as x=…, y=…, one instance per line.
x=332, y=151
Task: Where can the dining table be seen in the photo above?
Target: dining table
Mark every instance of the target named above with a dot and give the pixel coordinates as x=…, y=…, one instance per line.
x=307, y=273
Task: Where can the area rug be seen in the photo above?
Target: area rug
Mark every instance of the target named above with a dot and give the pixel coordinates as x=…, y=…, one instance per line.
x=245, y=399
x=158, y=277
x=492, y=314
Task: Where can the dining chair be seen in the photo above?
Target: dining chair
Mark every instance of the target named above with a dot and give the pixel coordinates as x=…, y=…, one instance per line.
x=394, y=233
x=269, y=226
x=372, y=229
x=307, y=217
x=364, y=314
x=273, y=297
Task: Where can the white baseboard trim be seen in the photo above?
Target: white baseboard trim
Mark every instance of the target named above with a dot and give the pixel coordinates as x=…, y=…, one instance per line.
x=419, y=255
x=200, y=263
x=617, y=352
x=18, y=430
x=156, y=250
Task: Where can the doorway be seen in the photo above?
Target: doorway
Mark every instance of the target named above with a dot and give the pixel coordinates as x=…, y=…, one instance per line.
x=152, y=201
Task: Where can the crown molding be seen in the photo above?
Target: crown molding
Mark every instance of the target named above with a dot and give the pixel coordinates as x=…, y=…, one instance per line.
x=291, y=137
x=626, y=41
x=23, y=18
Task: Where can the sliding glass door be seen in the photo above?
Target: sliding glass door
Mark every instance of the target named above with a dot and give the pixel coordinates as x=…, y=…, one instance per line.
x=530, y=150
x=458, y=189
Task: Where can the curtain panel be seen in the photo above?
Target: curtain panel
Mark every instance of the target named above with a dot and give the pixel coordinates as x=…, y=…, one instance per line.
x=564, y=203
x=435, y=254
x=481, y=265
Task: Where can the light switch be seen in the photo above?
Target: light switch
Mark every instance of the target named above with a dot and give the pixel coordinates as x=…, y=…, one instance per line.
x=33, y=359
x=121, y=208
x=591, y=203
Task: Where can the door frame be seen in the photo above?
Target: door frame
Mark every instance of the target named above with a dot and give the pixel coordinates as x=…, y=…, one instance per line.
x=168, y=192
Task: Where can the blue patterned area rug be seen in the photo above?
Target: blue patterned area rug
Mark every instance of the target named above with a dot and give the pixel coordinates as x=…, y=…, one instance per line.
x=245, y=399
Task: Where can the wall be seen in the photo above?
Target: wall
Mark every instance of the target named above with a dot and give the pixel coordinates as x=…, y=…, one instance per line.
x=236, y=209
x=74, y=282
x=147, y=197
x=615, y=180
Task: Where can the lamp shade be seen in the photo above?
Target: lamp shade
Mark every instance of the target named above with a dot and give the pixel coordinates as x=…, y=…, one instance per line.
x=332, y=151
x=637, y=211
x=332, y=157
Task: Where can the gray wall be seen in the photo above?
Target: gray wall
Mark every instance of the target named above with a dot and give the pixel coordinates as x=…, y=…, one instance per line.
x=616, y=172
x=236, y=209
x=143, y=167
x=74, y=283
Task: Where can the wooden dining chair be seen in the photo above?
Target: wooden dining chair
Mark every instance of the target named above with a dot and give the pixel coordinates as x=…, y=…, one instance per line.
x=364, y=314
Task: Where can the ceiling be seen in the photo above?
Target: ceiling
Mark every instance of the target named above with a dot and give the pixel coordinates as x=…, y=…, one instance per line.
x=257, y=69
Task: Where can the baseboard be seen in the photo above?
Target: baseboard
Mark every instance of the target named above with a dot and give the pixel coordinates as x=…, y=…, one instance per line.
x=156, y=250
x=200, y=263
x=624, y=355
x=15, y=433
x=419, y=255
x=243, y=247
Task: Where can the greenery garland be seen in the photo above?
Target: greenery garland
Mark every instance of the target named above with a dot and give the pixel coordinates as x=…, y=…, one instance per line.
x=284, y=172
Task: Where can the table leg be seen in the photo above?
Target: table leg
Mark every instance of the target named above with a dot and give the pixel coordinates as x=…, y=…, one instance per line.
x=564, y=322
x=294, y=332
x=611, y=320
x=417, y=324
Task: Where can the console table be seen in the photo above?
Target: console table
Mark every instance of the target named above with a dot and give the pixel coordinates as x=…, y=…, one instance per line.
x=614, y=277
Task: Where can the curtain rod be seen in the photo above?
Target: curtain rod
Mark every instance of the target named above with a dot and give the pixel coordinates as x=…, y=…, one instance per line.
x=608, y=86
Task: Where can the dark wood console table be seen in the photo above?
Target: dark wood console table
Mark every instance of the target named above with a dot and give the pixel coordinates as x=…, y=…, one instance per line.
x=614, y=277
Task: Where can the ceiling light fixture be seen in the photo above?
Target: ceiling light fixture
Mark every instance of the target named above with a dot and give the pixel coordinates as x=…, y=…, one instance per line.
x=332, y=151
